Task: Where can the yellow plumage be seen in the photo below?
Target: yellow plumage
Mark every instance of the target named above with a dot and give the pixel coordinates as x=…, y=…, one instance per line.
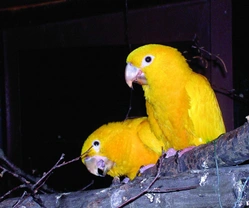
x=181, y=105
x=121, y=148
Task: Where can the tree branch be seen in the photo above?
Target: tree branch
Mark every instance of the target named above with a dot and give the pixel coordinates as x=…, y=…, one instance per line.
x=192, y=180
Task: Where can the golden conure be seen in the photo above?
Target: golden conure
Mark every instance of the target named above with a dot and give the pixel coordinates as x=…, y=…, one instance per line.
x=181, y=105
x=121, y=148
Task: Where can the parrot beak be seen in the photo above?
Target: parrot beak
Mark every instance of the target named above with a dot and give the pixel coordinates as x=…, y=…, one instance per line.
x=98, y=165
x=134, y=74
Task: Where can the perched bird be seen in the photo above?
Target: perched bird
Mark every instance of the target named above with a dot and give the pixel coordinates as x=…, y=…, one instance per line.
x=121, y=148
x=181, y=105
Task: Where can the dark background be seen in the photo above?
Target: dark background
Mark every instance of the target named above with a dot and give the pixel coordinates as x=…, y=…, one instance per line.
x=57, y=86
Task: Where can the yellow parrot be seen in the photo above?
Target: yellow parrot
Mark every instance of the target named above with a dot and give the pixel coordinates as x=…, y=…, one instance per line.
x=181, y=105
x=121, y=148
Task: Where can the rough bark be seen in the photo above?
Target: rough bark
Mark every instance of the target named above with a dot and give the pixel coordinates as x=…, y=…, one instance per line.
x=210, y=175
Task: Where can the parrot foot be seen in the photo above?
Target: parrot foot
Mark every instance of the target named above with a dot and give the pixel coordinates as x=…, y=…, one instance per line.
x=146, y=167
x=181, y=152
x=116, y=181
x=125, y=180
x=170, y=152
x=177, y=153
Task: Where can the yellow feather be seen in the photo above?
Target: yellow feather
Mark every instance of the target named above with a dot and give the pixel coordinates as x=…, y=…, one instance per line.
x=129, y=145
x=181, y=105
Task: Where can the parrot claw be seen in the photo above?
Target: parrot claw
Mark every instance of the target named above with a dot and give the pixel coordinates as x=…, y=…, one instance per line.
x=116, y=181
x=183, y=151
x=177, y=153
x=125, y=180
x=146, y=167
x=170, y=152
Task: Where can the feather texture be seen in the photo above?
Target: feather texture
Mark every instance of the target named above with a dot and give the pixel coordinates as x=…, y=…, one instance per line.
x=181, y=105
x=121, y=148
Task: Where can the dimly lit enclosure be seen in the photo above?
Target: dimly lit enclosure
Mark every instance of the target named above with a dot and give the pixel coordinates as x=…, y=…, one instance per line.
x=62, y=76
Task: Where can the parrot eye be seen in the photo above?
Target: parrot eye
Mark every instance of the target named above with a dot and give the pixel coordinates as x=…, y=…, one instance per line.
x=147, y=60
x=96, y=145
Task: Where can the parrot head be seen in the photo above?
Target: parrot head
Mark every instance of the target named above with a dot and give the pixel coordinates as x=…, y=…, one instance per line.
x=121, y=148
x=143, y=62
x=93, y=156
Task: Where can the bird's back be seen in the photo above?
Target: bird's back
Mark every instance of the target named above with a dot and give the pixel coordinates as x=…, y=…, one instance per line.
x=204, y=110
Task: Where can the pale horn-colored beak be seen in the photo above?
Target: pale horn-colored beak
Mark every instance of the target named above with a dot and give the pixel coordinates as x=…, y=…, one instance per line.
x=134, y=74
x=98, y=165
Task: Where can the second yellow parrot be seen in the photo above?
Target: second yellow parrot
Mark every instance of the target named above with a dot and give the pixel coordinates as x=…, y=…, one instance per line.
x=121, y=148
x=181, y=105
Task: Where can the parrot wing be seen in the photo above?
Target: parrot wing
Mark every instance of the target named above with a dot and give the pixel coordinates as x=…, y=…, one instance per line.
x=204, y=110
x=148, y=138
x=181, y=106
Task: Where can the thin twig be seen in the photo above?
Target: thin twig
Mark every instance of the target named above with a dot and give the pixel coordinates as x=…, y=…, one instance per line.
x=172, y=189
x=20, y=200
x=33, y=189
x=11, y=191
x=44, y=178
x=148, y=187
x=70, y=161
x=212, y=55
x=19, y=174
x=21, y=178
x=26, y=184
x=92, y=182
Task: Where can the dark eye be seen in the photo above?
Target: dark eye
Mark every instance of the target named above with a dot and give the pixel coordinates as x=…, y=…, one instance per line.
x=96, y=143
x=148, y=59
